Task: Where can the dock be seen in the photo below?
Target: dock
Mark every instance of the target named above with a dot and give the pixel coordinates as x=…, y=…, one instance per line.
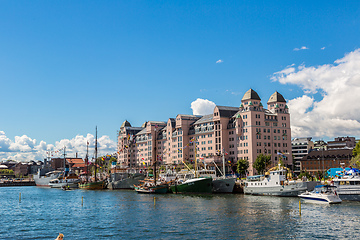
x=16, y=183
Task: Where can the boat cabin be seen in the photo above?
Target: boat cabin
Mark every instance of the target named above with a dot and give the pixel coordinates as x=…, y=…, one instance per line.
x=275, y=178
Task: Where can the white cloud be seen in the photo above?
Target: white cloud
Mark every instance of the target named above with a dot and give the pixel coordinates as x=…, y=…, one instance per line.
x=25, y=149
x=323, y=48
x=337, y=112
x=202, y=107
x=219, y=61
x=302, y=48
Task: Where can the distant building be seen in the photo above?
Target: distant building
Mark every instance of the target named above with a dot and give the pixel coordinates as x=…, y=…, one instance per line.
x=76, y=164
x=323, y=160
x=300, y=148
x=10, y=164
x=21, y=169
x=237, y=132
x=33, y=167
x=320, y=145
x=341, y=143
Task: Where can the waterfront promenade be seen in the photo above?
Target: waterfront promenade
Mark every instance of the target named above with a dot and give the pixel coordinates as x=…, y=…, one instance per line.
x=44, y=212
x=15, y=183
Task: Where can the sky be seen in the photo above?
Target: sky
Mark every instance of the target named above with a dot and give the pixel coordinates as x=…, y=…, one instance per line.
x=69, y=66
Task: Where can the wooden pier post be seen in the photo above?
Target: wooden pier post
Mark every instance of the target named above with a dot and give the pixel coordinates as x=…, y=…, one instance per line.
x=300, y=207
x=20, y=197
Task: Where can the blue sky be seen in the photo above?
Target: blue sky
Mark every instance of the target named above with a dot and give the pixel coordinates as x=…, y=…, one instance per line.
x=68, y=66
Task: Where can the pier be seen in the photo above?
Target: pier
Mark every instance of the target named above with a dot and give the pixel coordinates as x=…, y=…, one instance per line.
x=16, y=183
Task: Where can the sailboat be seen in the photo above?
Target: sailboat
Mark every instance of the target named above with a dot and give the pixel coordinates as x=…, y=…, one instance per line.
x=97, y=183
x=194, y=185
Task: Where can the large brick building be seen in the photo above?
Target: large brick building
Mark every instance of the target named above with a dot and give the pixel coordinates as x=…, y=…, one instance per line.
x=238, y=132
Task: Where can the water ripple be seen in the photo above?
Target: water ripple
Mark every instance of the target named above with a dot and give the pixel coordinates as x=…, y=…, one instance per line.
x=43, y=213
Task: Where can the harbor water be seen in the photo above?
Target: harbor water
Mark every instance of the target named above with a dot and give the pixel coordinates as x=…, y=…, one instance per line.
x=43, y=213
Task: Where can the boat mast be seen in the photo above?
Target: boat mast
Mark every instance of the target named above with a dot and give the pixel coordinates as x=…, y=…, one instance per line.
x=223, y=160
x=154, y=160
x=195, y=158
x=64, y=162
x=95, y=151
x=87, y=161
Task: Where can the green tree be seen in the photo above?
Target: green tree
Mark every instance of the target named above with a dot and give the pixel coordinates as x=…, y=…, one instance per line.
x=261, y=162
x=356, y=150
x=242, y=166
x=306, y=174
x=355, y=160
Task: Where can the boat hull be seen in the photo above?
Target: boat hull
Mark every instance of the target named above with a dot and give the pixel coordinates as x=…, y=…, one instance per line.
x=349, y=192
x=320, y=199
x=92, y=185
x=223, y=185
x=126, y=183
x=156, y=189
x=44, y=181
x=283, y=190
x=193, y=186
x=349, y=196
x=64, y=184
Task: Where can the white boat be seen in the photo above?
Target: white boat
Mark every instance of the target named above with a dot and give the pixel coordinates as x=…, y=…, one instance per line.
x=348, y=186
x=71, y=181
x=321, y=194
x=168, y=176
x=43, y=181
x=274, y=184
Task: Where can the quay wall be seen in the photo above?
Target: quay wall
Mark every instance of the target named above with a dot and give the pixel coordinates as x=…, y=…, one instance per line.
x=17, y=183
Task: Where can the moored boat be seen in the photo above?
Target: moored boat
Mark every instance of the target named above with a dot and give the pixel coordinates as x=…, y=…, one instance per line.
x=149, y=186
x=321, y=194
x=191, y=182
x=274, y=184
x=96, y=184
x=43, y=181
x=348, y=185
x=193, y=186
x=219, y=184
x=124, y=180
x=72, y=180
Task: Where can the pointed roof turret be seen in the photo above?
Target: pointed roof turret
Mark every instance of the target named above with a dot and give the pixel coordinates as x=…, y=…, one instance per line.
x=251, y=94
x=125, y=124
x=276, y=97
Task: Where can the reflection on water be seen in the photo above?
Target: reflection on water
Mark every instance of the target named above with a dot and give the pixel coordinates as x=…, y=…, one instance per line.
x=43, y=213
